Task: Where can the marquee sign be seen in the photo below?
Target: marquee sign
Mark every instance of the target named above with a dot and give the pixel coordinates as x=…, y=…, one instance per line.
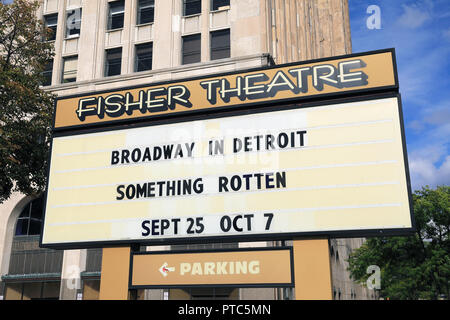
x=368, y=71
x=334, y=168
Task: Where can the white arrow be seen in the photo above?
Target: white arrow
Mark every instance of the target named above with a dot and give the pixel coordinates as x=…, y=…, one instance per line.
x=164, y=269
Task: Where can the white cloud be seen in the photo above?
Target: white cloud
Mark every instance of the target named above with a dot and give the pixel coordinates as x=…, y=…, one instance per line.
x=424, y=172
x=413, y=17
x=426, y=167
x=428, y=151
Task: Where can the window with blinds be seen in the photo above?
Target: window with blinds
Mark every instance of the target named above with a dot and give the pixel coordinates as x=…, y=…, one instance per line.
x=146, y=11
x=70, y=65
x=143, y=59
x=191, y=49
x=191, y=7
x=116, y=14
x=220, y=5
x=220, y=44
x=113, y=62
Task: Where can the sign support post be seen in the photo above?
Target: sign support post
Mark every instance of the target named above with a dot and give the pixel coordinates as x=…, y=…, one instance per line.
x=312, y=270
x=115, y=273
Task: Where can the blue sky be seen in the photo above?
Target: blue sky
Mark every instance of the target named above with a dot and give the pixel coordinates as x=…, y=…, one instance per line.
x=420, y=33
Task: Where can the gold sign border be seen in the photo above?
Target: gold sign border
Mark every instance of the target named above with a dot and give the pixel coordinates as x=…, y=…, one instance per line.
x=263, y=250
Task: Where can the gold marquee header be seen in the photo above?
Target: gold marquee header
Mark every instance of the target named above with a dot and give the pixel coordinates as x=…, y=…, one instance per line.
x=292, y=82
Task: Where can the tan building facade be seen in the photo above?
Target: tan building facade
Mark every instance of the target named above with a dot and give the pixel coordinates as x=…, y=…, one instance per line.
x=102, y=45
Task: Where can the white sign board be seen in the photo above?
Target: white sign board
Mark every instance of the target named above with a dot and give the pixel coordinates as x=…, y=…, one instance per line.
x=328, y=169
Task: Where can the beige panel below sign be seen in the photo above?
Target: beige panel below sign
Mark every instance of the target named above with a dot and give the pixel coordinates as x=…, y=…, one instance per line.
x=241, y=267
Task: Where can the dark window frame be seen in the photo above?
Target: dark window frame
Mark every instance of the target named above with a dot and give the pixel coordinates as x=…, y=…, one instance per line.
x=32, y=213
x=54, y=26
x=65, y=72
x=192, y=7
x=216, y=4
x=143, y=10
x=220, y=50
x=143, y=57
x=47, y=74
x=186, y=55
x=116, y=19
x=112, y=63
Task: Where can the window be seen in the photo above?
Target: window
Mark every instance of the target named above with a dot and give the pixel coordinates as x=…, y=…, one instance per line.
x=113, y=63
x=146, y=11
x=219, y=4
x=191, y=49
x=192, y=7
x=51, y=22
x=144, y=53
x=70, y=65
x=30, y=219
x=220, y=44
x=115, y=15
x=47, y=74
x=73, y=23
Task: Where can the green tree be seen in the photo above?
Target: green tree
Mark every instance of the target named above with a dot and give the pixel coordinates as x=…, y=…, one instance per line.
x=414, y=267
x=25, y=109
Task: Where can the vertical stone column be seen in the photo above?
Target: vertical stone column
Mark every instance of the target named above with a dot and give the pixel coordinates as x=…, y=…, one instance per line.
x=57, y=59
x=74, y=262
x=89, y=41
x=127, y=36
x=167, y=27
x=204, y=28
x=101, y=23
x=247, y=24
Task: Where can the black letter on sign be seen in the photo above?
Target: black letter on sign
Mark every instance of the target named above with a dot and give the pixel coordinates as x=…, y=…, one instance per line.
x=120, y=192
x=223, y=181
x=114, y=157
x=144, y=226
x=225, y=223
